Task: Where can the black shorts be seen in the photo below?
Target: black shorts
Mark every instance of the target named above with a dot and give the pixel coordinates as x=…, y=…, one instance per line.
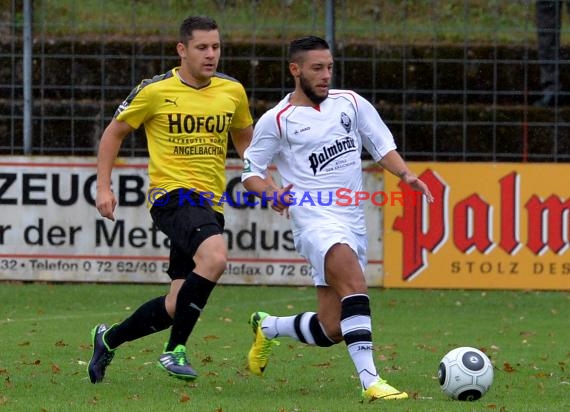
x=187, y=224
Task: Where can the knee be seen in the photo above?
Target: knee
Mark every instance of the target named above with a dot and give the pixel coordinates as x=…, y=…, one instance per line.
x=214, y=262
x=170, y=303
x=354, y=285
x=218, y=262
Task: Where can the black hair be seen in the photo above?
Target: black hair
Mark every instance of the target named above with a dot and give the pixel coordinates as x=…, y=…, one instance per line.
x=304, y=44
x=196, y=23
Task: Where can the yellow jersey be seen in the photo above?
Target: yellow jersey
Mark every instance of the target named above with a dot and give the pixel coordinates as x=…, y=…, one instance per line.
x=187, y=130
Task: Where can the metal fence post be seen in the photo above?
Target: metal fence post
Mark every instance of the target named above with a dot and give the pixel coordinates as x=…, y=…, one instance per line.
x=330, y=29
x=27, y=79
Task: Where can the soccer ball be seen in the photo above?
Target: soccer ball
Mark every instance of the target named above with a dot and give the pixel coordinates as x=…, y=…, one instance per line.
x=465, y=374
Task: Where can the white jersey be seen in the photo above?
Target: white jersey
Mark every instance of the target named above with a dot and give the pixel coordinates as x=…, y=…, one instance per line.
x=318, y=150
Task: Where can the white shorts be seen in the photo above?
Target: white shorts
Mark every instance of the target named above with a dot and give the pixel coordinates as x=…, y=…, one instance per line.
x=314, y=243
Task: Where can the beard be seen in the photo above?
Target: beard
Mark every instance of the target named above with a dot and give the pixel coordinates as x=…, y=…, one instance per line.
x=310, y=92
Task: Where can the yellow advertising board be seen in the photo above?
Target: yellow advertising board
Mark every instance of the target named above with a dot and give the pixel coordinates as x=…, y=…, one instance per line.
x=491, y=226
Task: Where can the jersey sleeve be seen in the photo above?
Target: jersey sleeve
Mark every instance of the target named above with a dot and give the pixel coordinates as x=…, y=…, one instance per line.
x=263, y=148
x=242, y=116
x=377, y=139
x=133, y=110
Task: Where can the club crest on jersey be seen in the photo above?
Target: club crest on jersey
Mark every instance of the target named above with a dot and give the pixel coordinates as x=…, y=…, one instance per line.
x=319, y=160
x=345, y=121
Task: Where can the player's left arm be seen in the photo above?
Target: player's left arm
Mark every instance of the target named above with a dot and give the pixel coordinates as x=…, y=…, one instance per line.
x=379, y=142
x=393, y=162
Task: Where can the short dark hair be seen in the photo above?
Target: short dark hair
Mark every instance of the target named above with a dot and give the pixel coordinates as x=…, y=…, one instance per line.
x=196, y=23
x=304, y=44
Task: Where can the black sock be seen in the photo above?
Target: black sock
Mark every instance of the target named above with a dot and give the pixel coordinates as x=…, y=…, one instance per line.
x=149, y=318
x=309, y=330
x=191, y=299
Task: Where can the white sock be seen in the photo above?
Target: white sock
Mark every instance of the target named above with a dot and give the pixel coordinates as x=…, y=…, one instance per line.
x=277, y=326
x=361, y=352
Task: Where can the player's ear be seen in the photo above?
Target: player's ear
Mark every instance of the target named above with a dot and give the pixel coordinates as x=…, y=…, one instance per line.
x=181, y=49
x=294, y=69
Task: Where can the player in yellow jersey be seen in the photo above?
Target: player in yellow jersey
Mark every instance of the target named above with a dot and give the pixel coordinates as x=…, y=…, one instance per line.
x=188, y=114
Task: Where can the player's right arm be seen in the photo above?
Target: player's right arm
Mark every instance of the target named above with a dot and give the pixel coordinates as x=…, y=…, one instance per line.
x=108, y=151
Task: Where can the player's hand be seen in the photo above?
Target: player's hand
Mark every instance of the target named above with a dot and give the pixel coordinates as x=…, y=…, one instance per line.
x=415, y=183
x=284, y=198
x=106, y=203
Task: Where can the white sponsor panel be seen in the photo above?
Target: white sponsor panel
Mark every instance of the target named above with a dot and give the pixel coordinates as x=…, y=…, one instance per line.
x=51, y=231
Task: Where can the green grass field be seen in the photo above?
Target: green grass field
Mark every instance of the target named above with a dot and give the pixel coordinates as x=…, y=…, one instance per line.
x=45, y=346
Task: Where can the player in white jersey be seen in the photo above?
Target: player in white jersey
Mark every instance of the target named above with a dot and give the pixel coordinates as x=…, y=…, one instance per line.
x=315, y=137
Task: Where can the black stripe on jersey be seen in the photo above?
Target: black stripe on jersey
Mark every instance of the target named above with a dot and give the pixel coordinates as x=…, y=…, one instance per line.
x=226, y=77
x=140, y=86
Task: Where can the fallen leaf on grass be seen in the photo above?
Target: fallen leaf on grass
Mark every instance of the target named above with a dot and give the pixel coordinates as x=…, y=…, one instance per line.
x=184, y=398
x=211, y=337
x=304, y=391
x=8, y=383
x=416, y=395
x=322, y=365
x=55, y=368
x=507, y=367
x=543, y=375
x=527, y=333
